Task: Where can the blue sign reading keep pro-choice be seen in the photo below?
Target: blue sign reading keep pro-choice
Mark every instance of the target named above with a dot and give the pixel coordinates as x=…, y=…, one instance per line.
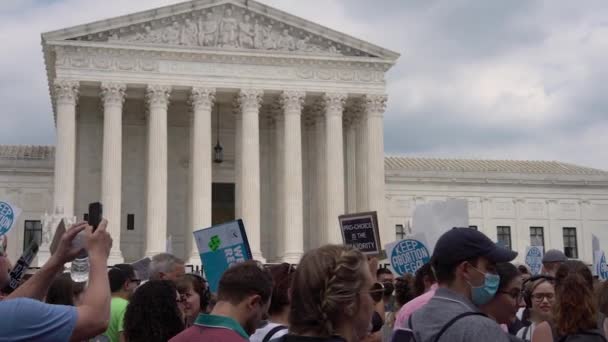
x=534, y=259
x=8, y=217
x=220, y=247
x=408, y=255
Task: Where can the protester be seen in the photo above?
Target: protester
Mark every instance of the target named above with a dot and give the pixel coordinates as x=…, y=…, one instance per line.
x=524, y=271
x=404, y=291
x=195, y=296
x=425, y=286
x=123, y=282
x=330, y=296
x=508, y=299
x=152, y=314
x=385, y=275
x=464, y=261
x=602, y=297
x=165, y=266
x=575, y=311
x=24, y=317
x=552, y=260
x=278, y=312
x=539, y=295
x=64, y=291
x=242, y=301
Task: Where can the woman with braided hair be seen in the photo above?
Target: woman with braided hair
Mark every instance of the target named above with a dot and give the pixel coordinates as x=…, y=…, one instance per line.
x=330, y=296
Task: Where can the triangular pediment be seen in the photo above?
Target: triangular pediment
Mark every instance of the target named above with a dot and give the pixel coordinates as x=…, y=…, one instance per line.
x=239, y=25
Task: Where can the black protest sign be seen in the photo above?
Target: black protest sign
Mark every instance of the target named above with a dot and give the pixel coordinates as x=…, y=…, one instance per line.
x=360, y=231
x=21, y=267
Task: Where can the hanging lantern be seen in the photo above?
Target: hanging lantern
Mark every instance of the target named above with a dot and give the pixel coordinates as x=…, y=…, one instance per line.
x=218, y=156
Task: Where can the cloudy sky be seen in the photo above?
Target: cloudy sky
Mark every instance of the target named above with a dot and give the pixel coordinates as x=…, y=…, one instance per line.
x=517, y=79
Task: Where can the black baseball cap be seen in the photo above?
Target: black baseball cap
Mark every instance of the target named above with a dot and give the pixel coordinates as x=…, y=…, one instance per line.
x=460, y=244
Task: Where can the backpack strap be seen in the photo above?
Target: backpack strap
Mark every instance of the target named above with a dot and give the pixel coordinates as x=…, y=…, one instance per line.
x=272, y=332
x=523, y=336
x=587, y=333
x=453, y=320
x=409, y=322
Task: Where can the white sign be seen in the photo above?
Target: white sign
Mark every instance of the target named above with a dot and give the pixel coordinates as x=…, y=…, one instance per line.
x=437, y=217
x=534, y=259
x=8, y=217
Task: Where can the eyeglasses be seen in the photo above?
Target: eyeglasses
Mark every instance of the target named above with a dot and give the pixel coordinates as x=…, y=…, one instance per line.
x=515, y=294
x=540, y=296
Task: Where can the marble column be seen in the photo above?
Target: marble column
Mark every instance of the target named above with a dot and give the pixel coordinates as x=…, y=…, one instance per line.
x=320, y=193
x=250, y=101
x=374, y=112
x=201, y=166
x=157, y=97
x=361, y=159
x=292, y=103
x=65, y=94
x=238, y=123
x=334, y=159
x=350, y=173
x=277, y=186
x=112, y=98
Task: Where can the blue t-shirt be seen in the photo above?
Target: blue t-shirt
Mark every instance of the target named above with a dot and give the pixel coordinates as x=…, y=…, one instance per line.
x=25, y=319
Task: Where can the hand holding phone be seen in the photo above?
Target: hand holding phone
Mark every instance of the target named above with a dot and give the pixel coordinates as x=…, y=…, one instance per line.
x=95, y=214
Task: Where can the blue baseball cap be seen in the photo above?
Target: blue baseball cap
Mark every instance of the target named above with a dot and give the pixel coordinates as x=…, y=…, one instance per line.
x=460, y=244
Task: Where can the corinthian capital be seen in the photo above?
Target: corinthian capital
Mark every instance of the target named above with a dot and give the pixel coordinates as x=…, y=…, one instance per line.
x=112, y=94
x=66, y=91
x=250, y=99
x=158, y=95
x=375, y=104
x=292, y=101
x=202, y=98
x=334, y=103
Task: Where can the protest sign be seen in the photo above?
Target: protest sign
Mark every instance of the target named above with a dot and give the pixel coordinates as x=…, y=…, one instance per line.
x=57, y=237
x=408, y=255
x=8, y=217
x=220, y=247
x=595, y=247
x=534, y=259
x=600, y=266
x=360, y=231
x=21, y=267
x=142, y=267
x=437, y=217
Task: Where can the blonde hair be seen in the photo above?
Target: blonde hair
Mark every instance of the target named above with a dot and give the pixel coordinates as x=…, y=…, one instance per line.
x=325, y=288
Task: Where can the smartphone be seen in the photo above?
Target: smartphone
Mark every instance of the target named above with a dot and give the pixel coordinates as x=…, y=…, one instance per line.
x=95, y=214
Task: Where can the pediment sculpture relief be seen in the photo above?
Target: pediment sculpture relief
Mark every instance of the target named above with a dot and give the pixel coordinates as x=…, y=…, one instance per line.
x=227, y=28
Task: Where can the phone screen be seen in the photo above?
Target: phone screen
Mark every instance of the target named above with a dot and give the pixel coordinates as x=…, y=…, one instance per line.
x=95, y=214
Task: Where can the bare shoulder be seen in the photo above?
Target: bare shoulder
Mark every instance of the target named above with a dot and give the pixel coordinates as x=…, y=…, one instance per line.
x=542, y=333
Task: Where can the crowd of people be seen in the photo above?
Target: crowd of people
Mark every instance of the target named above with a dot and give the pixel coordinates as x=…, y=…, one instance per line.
x=469, y=291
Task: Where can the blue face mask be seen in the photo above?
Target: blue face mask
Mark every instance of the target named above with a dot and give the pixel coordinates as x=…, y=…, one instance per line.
x=484, y=293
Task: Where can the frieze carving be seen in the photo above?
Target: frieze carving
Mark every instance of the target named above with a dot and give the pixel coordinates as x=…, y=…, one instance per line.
x=112, y=94
x=66, y=91
x=225, y=27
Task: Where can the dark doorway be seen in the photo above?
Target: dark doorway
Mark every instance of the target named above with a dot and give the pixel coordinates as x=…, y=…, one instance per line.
x=223, y=203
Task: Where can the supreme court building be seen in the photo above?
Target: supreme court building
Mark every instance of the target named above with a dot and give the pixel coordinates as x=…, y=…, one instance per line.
x=197, y=113
x=140, y=102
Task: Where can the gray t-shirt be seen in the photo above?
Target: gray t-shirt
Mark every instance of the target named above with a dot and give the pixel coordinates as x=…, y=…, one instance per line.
x=445, y=305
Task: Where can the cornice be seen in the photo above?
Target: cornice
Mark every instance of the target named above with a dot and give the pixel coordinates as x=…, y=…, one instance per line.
x=396, y=178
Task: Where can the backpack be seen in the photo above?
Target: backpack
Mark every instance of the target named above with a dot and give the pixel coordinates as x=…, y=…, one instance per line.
x=584, y=336
x=407, y=334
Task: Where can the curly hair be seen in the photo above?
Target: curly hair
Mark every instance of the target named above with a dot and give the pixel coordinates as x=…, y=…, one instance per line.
x=152, y=314
x=424, y=272
x=575, y=307
x=326, y=285
x=601, y=293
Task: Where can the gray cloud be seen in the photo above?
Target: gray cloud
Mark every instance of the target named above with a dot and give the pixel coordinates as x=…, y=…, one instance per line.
x=494, y=79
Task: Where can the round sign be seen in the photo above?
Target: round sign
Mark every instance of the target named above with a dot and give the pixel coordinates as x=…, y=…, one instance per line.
x=408, y=256
x=7, y=216
x=603, y=268
x=534, y=259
